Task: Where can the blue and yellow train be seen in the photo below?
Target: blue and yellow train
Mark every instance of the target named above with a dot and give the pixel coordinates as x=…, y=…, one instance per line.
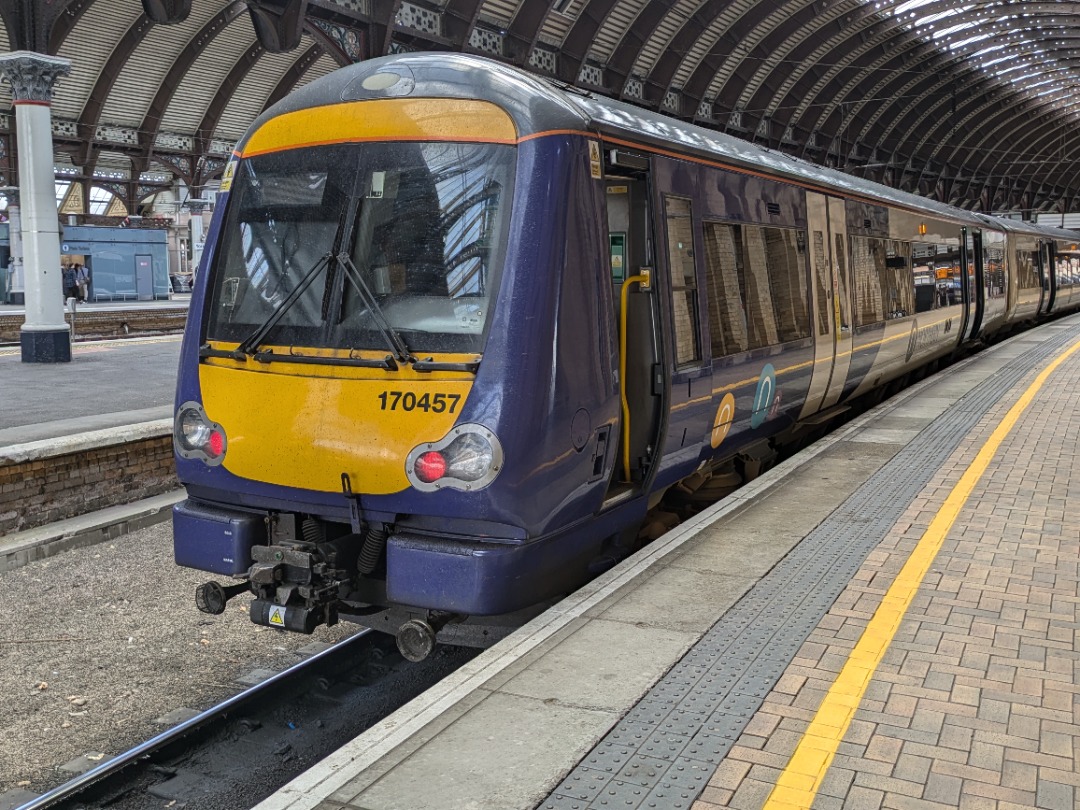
x=458, y=328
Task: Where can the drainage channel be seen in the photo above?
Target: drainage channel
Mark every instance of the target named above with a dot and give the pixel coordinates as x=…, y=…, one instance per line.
x=238, y=752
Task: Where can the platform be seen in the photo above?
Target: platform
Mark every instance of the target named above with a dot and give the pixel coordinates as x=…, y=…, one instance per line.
x=805, y=632
x=107, y=384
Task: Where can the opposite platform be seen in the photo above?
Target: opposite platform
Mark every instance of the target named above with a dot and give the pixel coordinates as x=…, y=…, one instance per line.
x=693, y=671
x=107, y=384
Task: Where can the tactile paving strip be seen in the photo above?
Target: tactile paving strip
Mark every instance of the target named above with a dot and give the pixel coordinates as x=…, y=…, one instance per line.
x=664, y=751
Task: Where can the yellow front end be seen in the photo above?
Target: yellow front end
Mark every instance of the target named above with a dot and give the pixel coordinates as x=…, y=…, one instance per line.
x=303, y=425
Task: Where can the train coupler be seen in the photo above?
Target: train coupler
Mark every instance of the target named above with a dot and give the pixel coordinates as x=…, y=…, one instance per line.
x=210, y=597
x=289, y=617
x=298, y=586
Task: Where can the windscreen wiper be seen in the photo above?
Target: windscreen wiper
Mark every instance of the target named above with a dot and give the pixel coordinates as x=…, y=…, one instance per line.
x=397, y=345
x=292, y=356
x=251, y=343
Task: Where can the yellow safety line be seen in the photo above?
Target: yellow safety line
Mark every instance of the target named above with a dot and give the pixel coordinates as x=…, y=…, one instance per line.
x=801, y=779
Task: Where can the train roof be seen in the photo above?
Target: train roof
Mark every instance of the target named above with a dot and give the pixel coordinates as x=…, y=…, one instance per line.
x=1030, y=228
x=539, y=105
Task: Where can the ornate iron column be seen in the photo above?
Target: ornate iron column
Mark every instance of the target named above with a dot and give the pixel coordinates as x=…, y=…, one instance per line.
x=45, y=337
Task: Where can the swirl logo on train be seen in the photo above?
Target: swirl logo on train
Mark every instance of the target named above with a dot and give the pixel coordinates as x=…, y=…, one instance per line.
x=766, y=398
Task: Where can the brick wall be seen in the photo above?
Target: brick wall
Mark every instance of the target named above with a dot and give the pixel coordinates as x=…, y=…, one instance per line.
x=43, y=482
x=109, y=323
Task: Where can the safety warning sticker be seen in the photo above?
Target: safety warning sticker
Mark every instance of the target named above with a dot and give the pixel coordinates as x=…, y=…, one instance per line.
x=596, y=168
x=227, y=175
x=277, y=616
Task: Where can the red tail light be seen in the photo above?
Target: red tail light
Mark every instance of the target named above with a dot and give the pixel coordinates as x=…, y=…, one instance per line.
x=216, y=443
x=431, y=466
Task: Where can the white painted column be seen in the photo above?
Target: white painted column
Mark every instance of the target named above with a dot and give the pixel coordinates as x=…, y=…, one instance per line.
x=45, y=337
x=18, y=287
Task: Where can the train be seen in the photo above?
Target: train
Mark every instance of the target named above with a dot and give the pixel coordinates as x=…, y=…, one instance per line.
x=459, y=328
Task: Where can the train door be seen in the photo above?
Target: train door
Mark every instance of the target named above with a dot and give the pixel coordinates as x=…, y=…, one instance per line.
x=826, y=222
x=641, y=382
x=1046, y=255
x=1043, y=270
x=822, y=298
x=840, y=311
x=975, y=277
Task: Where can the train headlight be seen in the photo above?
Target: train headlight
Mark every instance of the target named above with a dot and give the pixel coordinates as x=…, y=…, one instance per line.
x=468, y=458
x=195, y=436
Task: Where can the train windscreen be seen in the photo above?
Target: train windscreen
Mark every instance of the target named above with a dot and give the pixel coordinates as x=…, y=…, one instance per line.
x=348, y=238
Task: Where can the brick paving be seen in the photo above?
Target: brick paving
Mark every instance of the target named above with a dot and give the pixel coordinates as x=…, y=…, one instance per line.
x=975, y=704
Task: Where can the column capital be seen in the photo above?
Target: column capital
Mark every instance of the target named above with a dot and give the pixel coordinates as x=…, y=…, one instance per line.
x=32, y=75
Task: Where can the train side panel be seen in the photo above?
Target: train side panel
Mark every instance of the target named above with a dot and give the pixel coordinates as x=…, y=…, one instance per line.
x=741, y=334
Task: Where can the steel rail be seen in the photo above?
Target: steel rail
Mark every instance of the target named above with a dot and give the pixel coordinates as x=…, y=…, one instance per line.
x=73, y=787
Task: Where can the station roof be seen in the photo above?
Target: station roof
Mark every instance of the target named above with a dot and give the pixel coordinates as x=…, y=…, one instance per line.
x=971, y=102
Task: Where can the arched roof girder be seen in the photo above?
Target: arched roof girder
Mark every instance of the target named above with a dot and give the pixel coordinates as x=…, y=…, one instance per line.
x=1051, y=138
x=992, y=128
x=793, y=30
x=524, y=30
x=696, y=27
x=1005, y=128
x=921, y=99
x=762, y=53
x=636, y=38
x=67, y=17
x=151, y=123
x=91, y=112
x=758, y=95
x=326, y=45
x=881, y=36
x=1017, y=108
x=575, y=47
x=915, y=100
x=383, y=13
x=714, y=77
x=916, y=53
x=891, y=62
x=459, y=19
x=967, y=17
x=237, y=74
x=1026, y=106
x=894, y=84
x=692, y=32
x=294, y=74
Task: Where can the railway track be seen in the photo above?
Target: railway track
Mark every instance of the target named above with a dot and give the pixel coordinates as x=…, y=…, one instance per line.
x=241, y=750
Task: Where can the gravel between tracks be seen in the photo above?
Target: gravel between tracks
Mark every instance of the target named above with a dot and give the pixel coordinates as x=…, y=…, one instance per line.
x=100, y=641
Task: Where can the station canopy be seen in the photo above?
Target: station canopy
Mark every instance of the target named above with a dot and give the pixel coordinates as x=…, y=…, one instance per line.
x=971, y=103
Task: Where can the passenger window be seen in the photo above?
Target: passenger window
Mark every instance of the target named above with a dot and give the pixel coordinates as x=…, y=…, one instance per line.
x=680, y=236
x=757, y=290
x=823, y=279
x=842, y=274
x=994, y=264
x=884, y=284
x=937, y=276
x=1027, y=269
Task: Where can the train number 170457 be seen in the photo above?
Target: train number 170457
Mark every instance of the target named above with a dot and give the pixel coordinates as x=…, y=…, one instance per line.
x=408, y=401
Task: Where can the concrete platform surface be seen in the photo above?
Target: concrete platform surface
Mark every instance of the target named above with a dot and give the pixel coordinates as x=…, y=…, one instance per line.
x=108, y=383
x=716, y=664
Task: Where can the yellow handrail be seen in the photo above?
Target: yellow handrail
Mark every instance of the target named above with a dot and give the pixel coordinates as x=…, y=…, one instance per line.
x=643, y=279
